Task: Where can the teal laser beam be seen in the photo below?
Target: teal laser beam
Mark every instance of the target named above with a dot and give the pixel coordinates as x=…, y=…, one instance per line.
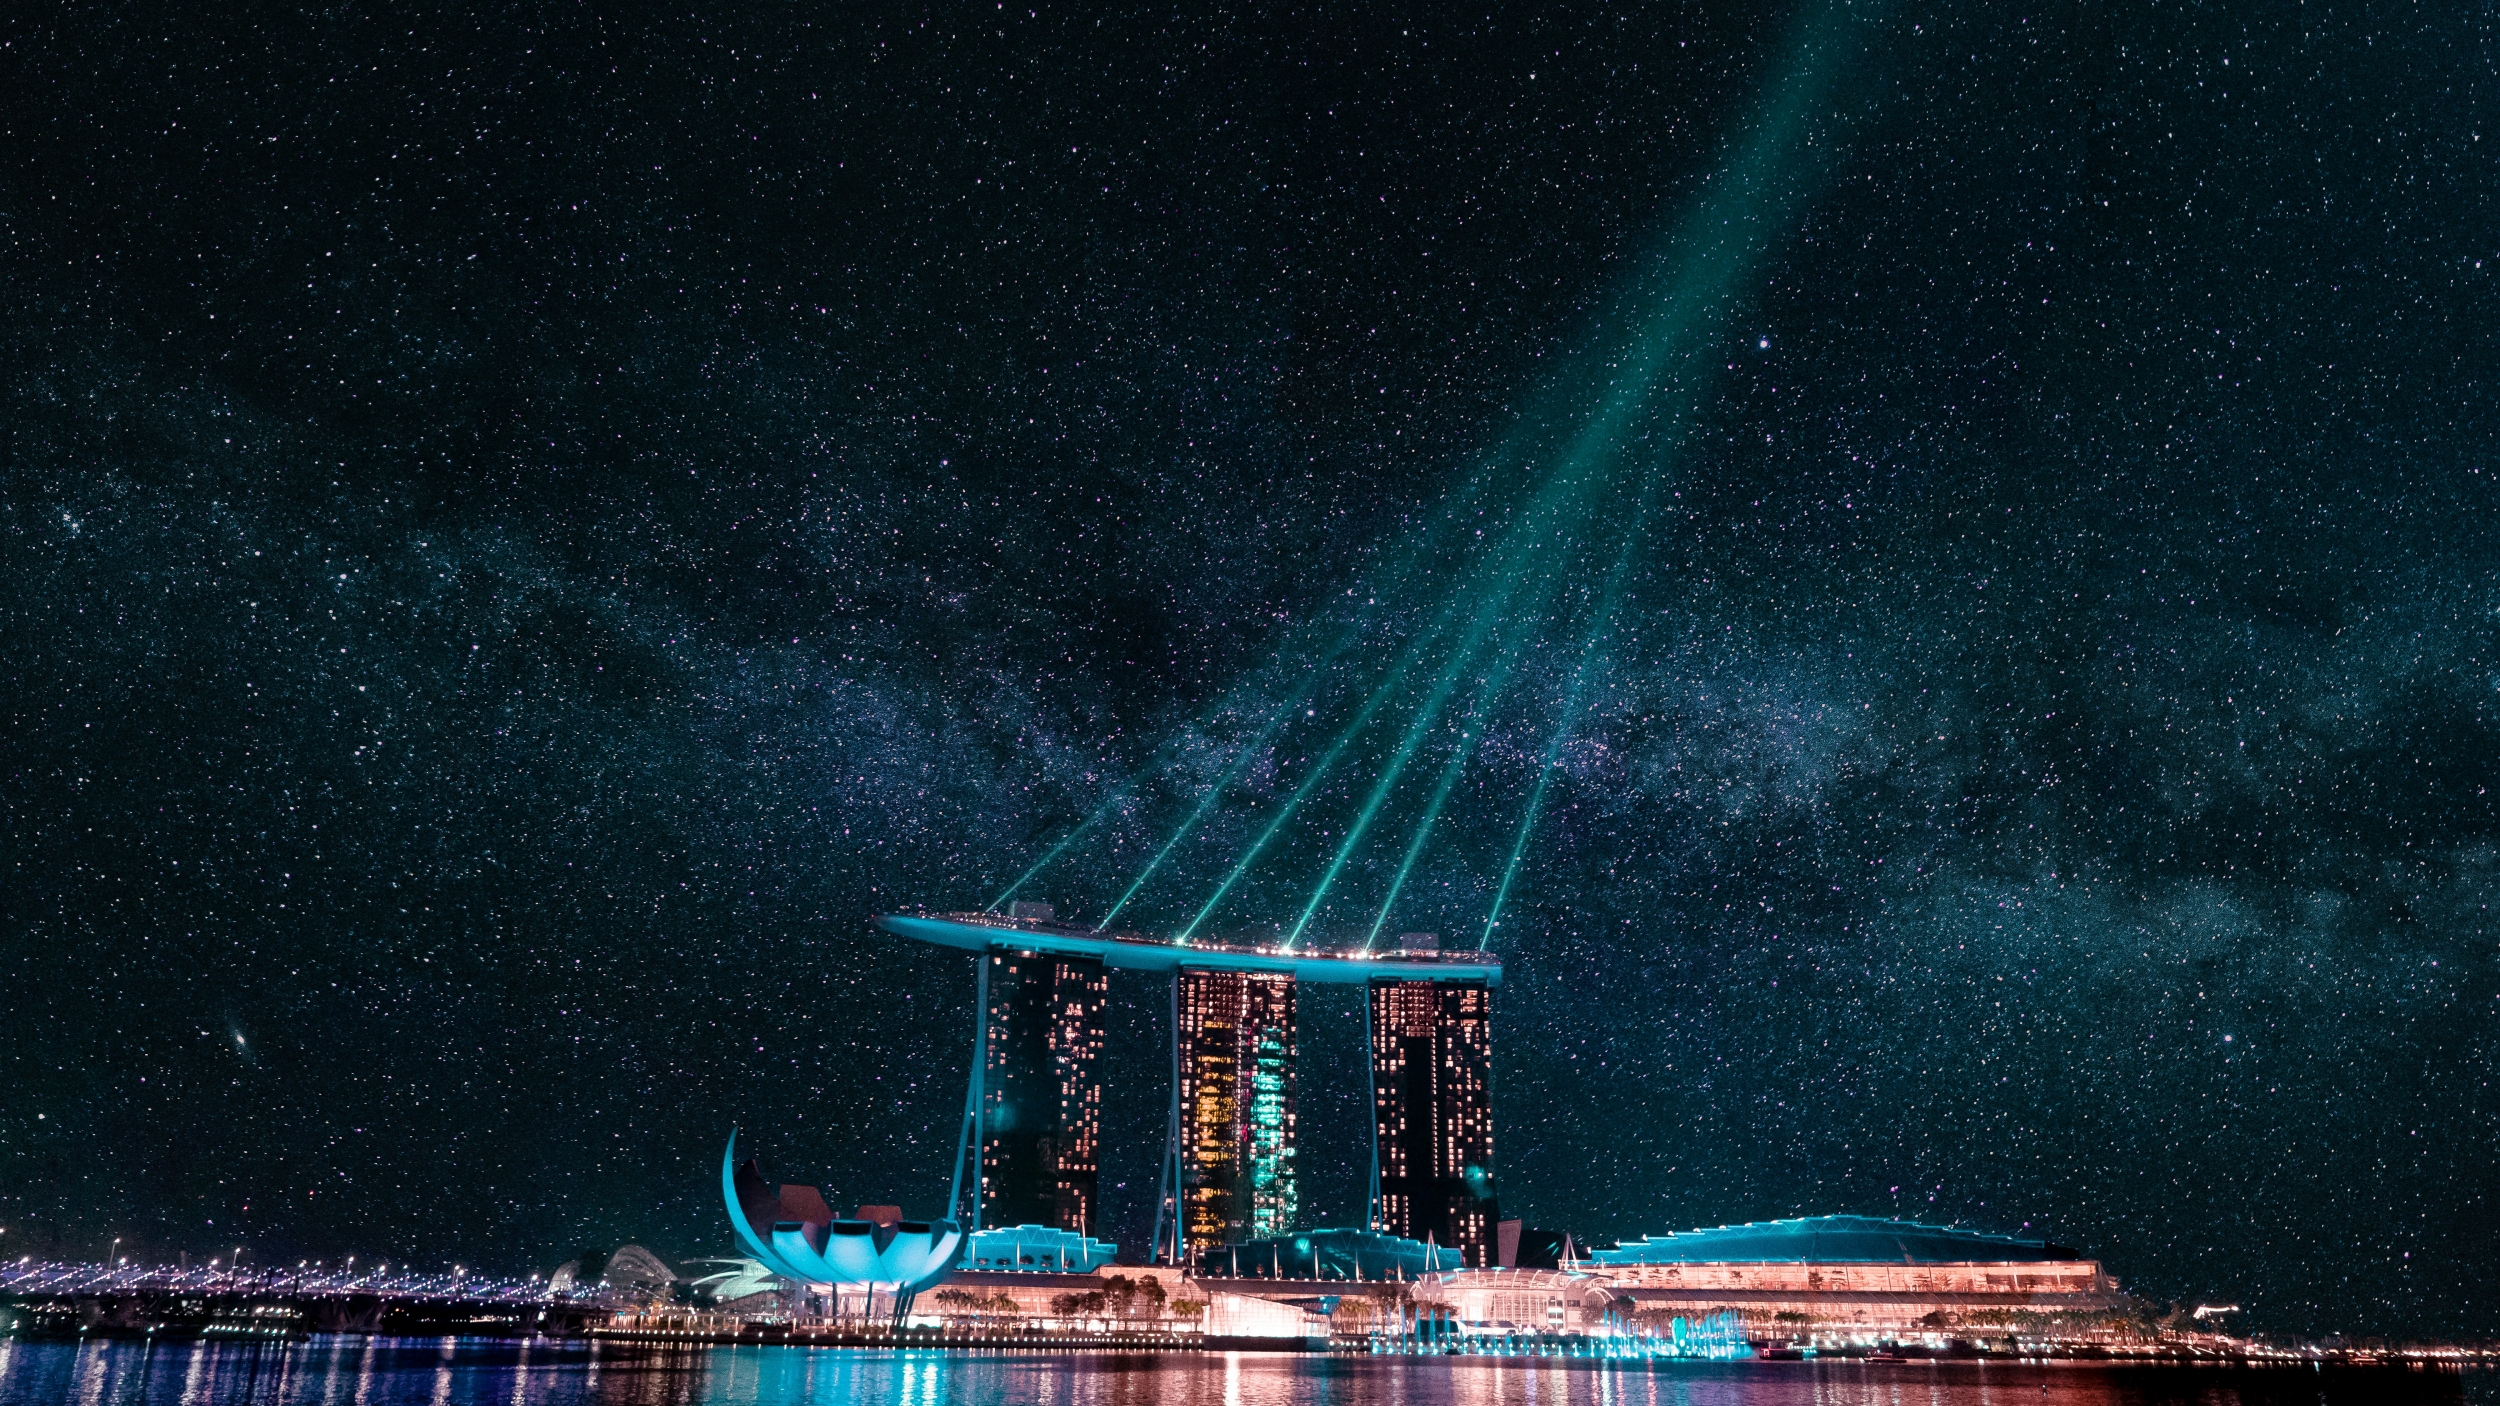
x=1570, y=720
x=1215, y=792
x=1672, y=315
x=1488, y=614
x=1101, y=813
x=1486, y=697
x=1673, y=309
x=1717, y=244
x=1450, y=511
x=1561, y=502
x=1292, y=804
x=1710, y=270
x=1380, y=695
x=1489, y=695
x=1381, y=786
x=1248, y=753
x=1536, y=795
x=1723, y=236
x=1527, y=552
x=1111, y=804
x=1423, y=830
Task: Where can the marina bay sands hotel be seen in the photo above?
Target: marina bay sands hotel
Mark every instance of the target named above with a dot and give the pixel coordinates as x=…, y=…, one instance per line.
x=1033, y=1112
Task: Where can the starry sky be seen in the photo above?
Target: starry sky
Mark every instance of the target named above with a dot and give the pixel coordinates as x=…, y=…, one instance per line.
x=525, y=527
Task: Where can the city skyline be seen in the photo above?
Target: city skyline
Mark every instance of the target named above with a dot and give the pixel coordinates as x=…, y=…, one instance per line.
x=1919, y=579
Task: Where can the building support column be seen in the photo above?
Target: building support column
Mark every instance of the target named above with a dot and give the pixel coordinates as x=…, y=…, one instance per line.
x=1168, y=1180
x=968, y=1135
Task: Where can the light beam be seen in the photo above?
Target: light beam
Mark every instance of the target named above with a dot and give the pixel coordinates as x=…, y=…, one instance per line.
x=1248, y=753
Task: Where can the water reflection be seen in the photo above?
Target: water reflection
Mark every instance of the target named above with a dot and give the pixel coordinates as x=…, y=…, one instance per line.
x=453, y=1372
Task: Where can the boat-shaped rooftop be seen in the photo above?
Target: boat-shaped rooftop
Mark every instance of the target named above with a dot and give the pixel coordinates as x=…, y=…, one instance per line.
x=1129, y=951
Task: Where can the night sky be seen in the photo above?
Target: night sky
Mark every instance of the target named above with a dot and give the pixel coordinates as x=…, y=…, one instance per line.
x=523, y=529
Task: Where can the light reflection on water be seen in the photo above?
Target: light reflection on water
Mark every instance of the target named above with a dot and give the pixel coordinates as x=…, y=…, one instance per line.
x=350, y=1371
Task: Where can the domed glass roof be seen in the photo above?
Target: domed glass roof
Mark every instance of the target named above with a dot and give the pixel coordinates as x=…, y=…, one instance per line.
x=1830, y=1240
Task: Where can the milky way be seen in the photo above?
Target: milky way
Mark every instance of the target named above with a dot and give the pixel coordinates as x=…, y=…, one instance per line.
x=523, y=533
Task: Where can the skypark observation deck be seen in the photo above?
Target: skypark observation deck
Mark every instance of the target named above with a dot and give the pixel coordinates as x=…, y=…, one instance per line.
x=1128, y=951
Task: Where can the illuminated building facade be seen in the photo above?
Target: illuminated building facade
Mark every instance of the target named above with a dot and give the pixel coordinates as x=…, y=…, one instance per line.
x=1235, y=1052
x=1846, y=1279
x=1041, y=1091
x=1432, y=1111
x=1027, y=1149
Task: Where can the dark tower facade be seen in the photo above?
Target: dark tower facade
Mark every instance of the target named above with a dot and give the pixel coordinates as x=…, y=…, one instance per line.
x=1041, y=1095
x=1432, y=1110
x=1235, y=1048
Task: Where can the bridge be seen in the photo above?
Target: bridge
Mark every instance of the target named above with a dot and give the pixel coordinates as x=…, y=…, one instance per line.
x=48, y=1297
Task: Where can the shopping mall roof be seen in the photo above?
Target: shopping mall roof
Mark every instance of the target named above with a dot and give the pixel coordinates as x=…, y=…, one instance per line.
x=1039, y=1247
x=1339, y=1252
x=1830, y=1240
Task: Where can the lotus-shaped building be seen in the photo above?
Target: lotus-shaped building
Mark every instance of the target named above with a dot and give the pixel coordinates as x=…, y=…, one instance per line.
x=791, y=1231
